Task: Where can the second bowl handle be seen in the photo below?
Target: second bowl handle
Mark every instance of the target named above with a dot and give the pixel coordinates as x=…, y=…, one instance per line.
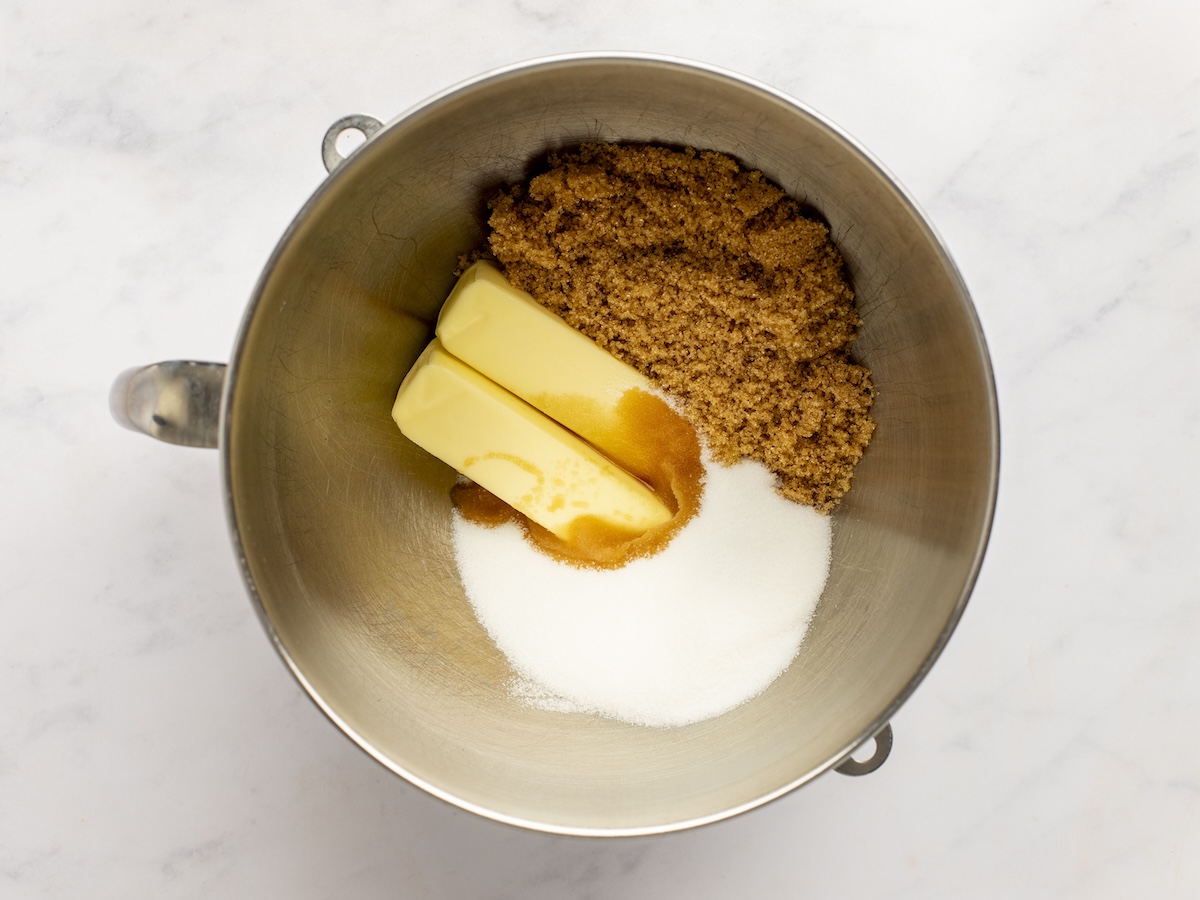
x=330, y=154
x=883, y=746
x=178, y=401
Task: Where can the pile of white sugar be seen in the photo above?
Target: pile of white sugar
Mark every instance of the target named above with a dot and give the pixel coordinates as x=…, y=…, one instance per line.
x=675, y=638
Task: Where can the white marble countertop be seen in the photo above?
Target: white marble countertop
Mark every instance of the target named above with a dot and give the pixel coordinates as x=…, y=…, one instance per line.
x=154, y=746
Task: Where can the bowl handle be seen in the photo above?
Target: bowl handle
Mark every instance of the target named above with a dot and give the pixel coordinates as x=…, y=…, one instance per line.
x=364, y=125
x=178, y=402
x=883, y=746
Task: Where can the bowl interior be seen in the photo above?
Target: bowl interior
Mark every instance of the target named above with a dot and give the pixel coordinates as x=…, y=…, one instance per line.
x=344, y=525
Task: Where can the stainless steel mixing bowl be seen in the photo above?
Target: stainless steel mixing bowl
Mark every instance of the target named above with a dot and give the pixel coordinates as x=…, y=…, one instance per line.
x=342, y=526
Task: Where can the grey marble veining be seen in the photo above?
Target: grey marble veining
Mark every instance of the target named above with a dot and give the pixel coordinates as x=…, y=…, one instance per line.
x=150, y=157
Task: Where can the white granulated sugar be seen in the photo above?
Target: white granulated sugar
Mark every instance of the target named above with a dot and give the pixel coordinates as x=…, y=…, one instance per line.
x=678, y=637
x=533, y=694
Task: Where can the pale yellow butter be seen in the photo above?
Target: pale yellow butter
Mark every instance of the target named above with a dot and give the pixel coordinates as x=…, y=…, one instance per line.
x=509, y=337
x=518, y=453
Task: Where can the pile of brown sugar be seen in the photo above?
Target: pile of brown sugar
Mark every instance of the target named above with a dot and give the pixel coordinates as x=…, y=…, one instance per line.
x=710, y=280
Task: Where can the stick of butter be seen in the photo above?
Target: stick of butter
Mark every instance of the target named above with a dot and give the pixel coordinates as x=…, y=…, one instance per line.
x=509, y=337
x=518, y=453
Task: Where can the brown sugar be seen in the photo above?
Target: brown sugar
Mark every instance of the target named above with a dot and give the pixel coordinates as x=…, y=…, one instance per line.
x=714, y=283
